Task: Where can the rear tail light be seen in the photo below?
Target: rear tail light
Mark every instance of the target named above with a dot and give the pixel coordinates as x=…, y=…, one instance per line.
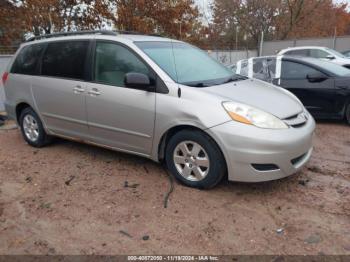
x=5, y=76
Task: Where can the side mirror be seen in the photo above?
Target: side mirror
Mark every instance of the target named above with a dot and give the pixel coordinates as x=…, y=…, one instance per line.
x=316, y=77
x=330, y=57
x=138, y=81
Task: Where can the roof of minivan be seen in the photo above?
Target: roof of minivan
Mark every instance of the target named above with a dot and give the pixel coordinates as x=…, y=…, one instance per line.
x=136, y=38
x=130, y=37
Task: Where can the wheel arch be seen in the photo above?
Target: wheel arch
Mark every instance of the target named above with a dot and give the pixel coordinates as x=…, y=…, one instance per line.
x=20, y=107
x=175, y=129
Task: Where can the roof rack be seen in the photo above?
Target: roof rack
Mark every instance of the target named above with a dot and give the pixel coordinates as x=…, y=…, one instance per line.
x=86, y=32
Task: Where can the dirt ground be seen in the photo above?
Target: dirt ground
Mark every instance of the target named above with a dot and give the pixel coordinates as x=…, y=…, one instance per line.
x=70, y=198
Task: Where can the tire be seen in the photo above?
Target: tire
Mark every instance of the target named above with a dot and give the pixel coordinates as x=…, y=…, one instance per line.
x=204, y=169
x=32, y=128
x=347, y=114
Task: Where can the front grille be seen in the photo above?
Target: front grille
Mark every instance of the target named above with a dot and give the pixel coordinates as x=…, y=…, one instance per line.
x=265, y=167
x=296, y=120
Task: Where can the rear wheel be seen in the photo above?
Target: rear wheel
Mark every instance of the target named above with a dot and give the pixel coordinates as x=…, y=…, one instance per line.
x=195, y=159
x=32, y=128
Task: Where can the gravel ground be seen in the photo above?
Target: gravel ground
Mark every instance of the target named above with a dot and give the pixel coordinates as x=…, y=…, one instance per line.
x=70, y=198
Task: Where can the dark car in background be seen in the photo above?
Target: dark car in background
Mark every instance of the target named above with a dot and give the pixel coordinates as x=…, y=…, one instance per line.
x=346, y=53
x=323, y=87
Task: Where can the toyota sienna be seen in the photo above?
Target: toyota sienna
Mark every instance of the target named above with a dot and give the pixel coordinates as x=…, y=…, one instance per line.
x=158, y=98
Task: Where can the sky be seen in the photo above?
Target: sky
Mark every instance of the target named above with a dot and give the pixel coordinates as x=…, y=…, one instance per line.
x=342, y=2
x=204, y=6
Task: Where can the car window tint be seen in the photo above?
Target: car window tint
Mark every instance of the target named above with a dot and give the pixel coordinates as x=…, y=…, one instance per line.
x=299, y=52
x=27, y=60
x=292, y=70
x=113, y=62
x=317, y=53
x=65, y=59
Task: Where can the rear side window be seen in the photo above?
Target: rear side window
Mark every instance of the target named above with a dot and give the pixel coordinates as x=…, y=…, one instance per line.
x=65, y=59
x=291, y=70
x=299, y=52
x=27, y=60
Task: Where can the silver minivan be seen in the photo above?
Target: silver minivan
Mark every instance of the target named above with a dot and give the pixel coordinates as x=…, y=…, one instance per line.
x=158, y=98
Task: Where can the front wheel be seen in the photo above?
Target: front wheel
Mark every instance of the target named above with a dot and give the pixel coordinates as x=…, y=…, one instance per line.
x=195, y=159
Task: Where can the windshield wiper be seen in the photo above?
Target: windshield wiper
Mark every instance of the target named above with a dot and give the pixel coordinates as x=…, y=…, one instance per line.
x=199, y=84
x=234, y=78
x=216, y=82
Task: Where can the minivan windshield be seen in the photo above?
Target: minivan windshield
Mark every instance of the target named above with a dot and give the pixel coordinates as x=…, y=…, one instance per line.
x=188, y=65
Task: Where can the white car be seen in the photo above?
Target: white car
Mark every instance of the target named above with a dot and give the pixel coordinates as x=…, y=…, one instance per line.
x=318, y=52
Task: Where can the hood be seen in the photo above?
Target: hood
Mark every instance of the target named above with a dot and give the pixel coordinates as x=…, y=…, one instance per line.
x=259, y=94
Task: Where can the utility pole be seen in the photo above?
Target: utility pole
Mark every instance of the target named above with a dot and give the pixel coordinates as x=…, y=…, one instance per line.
x=236, y=37
x=180, y=30
x=261, y=43
x=50, y=19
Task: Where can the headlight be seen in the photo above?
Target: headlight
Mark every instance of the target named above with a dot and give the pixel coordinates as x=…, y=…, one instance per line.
x=252, y=116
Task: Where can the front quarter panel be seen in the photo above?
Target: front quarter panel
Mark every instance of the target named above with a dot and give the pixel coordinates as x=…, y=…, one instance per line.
x=193, y=108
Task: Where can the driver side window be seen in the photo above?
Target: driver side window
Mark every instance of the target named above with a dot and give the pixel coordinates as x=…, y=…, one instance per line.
x=292, y=70
x=113, y=62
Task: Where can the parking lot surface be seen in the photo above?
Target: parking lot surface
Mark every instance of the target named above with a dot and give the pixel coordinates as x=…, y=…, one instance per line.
x=70, y=198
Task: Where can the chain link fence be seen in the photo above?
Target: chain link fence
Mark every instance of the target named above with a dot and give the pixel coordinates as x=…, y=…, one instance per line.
x=339, y=43
x=230, y=57
x=8, y=50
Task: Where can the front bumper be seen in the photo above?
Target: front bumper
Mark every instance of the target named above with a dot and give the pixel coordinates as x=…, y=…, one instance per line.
x=273, y=153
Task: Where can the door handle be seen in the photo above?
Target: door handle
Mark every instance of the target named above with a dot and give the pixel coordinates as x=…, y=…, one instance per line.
x=94, y=92
x=78, y=89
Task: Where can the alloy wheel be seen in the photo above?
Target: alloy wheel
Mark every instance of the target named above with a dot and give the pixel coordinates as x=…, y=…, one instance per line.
x=191, y=160
x=31, y=128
